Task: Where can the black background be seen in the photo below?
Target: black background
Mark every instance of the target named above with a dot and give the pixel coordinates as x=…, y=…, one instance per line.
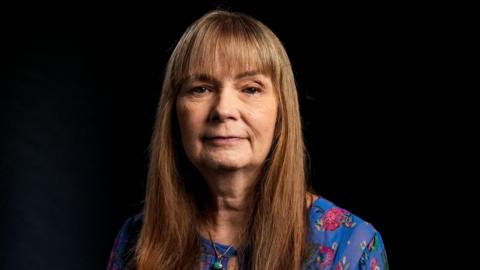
x=80, y=88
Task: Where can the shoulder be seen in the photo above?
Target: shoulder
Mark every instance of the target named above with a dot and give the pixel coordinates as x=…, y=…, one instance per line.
x=124, y=244
x=130, y=228
x=342, y=238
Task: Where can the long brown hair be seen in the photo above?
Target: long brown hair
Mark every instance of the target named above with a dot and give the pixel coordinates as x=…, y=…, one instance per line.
x=277, y=231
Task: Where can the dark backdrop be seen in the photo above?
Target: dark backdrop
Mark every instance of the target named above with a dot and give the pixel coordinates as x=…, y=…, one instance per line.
x=79, y=93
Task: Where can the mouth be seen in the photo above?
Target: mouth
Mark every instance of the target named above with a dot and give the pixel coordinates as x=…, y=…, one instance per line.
x=221, y=140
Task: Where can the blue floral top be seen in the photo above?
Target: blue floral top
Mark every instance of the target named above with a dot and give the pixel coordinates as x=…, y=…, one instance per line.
x=343, y=240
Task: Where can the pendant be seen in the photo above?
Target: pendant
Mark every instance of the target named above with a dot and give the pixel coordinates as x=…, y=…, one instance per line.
x=217, y=265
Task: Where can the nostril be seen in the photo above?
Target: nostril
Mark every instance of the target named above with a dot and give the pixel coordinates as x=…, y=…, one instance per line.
x=220, y=115
x=214, y=116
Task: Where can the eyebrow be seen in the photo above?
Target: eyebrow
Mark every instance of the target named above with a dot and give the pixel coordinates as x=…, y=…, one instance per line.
x=210, y=79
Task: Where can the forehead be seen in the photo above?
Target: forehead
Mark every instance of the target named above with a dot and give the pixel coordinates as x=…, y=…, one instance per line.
x=217, y=69
x=228, y=56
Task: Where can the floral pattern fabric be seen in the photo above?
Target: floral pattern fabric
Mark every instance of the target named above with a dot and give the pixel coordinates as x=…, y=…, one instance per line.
x=341, y=239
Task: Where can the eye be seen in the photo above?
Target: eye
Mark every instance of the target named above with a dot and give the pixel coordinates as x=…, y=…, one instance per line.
x=199, y=90
x=252, y=90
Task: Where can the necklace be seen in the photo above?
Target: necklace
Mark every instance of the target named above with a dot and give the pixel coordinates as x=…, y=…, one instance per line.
x=218, y=258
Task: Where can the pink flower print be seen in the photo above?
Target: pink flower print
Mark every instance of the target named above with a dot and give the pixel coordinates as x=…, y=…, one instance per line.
x=374, y=264
x=333, y=218
x=325, y=257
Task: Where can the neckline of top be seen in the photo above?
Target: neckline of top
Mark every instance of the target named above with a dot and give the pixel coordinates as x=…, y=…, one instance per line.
x=233, y=251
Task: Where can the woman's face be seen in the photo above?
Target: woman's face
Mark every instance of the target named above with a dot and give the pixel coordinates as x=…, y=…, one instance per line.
x=227, y=121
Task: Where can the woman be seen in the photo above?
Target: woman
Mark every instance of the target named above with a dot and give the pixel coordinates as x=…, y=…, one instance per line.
x=227, y=184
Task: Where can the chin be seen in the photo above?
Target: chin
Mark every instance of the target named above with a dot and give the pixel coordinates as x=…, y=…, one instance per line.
x=225, y=164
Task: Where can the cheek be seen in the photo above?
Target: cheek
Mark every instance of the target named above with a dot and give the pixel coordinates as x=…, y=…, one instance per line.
x=269, y=124
x=190, y=123
x=270, y=113
x=264, y=118
x=184, y=121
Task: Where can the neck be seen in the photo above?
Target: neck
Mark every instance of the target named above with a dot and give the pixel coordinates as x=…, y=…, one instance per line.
x=229, y=207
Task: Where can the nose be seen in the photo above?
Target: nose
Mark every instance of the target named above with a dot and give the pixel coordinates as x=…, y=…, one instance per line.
x=225, y=106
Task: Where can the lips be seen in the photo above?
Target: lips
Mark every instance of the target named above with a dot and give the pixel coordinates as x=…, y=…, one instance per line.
x=223, y=140
x=221, y=137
